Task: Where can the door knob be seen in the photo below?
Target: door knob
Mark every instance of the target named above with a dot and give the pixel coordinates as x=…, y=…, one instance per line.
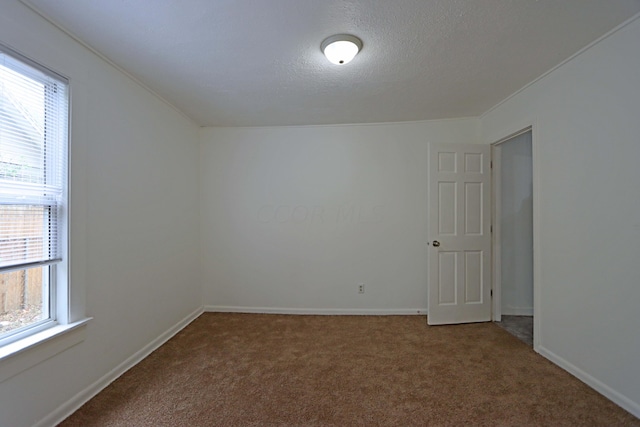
x=436, y=243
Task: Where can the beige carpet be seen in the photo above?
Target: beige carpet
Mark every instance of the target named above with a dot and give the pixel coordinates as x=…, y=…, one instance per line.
x=274, y=370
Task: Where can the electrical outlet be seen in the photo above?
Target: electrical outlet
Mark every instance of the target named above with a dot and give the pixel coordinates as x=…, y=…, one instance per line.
x=361, y=288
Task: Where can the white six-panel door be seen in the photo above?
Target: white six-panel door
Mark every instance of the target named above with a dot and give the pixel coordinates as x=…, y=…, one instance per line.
x=459, y=233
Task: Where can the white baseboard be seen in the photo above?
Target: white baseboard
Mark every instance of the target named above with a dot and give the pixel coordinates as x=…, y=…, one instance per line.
x=317, y=311
x=517, y=311
x=73, y=404
x=616, y=397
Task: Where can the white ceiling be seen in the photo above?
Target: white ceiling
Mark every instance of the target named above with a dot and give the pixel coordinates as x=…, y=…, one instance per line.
x=258, y=62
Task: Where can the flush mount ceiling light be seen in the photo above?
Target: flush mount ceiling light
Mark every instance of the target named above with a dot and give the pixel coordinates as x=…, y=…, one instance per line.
x=341, y=48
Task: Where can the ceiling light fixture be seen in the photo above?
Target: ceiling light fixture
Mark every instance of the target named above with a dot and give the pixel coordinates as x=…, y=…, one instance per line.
x=341, y=48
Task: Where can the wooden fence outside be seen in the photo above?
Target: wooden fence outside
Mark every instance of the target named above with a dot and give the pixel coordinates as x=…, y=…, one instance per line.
x=19, y=289
x=22, y=288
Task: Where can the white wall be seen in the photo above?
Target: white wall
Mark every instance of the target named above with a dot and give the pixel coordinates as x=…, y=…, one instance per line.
x=516, y=225
x=134, y=218
x=293, y=218
x=586, y=146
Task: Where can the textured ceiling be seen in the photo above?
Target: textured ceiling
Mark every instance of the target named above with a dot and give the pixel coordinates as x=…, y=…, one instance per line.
x=258, y=62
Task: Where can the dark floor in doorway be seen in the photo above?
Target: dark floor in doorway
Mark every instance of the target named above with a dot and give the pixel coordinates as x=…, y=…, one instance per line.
x=519, y=326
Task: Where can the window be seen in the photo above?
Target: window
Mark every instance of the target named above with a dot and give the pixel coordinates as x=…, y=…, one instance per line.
x=34, y=111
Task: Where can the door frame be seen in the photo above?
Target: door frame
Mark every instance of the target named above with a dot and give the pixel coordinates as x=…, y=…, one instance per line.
x=496, y=199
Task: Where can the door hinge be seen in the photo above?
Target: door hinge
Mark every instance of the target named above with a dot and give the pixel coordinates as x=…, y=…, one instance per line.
x=491, y=165
x=491, y=292
x=491, y=228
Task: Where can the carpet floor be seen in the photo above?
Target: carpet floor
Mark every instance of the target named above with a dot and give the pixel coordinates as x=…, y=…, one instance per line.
x=519, y=326
x=277, y=370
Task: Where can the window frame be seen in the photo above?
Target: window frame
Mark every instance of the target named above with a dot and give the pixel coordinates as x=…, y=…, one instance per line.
x=43, y=324
x=58, y=321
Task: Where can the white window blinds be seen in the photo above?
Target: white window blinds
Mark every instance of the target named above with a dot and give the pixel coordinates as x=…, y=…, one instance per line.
x=33, y=162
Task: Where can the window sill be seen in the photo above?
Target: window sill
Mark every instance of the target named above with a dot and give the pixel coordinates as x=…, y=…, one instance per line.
x=34, y=349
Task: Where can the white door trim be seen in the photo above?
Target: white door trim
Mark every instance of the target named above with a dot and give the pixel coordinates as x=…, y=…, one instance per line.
x=496, y=249
x=496, y=212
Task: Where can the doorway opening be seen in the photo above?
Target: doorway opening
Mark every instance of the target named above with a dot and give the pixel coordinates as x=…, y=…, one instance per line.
x=513, y=235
